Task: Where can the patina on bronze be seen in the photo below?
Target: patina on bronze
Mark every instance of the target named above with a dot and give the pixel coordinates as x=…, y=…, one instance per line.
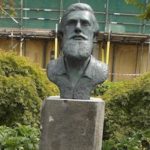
x=77, y=72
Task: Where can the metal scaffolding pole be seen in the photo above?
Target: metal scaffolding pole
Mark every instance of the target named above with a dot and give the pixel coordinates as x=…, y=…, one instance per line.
x=12, y=40
x=137, y=56
x=107, y=15
x=148, y=58
x=141, y=59
x=56, y=42
x=21, y=22
x=61, y=10
x=108, y=45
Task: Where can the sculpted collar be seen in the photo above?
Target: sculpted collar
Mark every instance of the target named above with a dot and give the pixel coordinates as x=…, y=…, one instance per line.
x=61, y=69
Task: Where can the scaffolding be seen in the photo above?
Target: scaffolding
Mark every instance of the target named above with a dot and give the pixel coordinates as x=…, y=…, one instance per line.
x=113, y=16
x=37, y=20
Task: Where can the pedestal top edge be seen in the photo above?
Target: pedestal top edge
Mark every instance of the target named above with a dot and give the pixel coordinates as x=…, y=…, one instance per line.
x=92, y=99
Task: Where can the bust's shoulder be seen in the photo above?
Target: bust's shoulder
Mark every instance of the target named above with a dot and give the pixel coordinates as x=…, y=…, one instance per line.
x=100, y=70
x=98, y=64
x=54, y=67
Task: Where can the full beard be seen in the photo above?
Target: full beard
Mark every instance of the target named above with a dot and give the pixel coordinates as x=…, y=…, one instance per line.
x=77, y=49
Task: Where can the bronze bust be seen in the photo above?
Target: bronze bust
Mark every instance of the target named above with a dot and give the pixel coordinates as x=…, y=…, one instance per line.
x=77, y=72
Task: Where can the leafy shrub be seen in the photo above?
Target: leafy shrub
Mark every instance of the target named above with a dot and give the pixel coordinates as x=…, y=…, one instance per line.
x=19, y=138
x=127, y=113
x=139, y=140
x=23, y=86
x=102, y=88
x=19, y=101
x=12, y=65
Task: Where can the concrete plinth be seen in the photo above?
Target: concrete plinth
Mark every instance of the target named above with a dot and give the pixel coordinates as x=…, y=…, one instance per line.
x=72, y=124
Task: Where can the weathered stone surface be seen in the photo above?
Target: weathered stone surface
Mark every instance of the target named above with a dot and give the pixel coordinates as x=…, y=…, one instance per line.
x=72, y=124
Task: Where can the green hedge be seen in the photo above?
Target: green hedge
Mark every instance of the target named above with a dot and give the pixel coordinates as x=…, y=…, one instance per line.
x=12, y=65
x=127, y=114
x=19, y=138
x=23, y=86
x=19, y=101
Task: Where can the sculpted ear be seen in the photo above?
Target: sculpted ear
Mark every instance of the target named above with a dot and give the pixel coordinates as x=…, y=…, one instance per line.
x=60, y=30
x=95, y=36
x=60, y=34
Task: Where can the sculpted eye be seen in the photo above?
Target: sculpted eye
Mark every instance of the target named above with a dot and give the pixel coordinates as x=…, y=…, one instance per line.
x=71, y=22
x=85, y=23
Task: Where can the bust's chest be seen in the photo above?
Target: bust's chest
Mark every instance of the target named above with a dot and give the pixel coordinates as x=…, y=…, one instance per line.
x=80, y=90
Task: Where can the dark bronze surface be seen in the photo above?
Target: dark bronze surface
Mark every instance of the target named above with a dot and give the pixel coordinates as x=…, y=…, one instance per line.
x=77, y=72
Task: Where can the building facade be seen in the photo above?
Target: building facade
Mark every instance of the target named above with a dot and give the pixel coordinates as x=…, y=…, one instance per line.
x=123, y=40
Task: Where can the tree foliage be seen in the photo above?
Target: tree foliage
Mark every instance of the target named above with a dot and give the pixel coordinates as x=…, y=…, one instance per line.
x=142, y=6
x=7, y=4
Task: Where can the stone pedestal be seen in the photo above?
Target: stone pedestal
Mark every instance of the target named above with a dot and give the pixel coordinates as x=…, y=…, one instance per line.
x=72, y=124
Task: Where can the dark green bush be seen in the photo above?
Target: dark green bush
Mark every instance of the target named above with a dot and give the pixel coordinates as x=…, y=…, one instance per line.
x=102, y=88
x=127, y=114
x=139, y=140
x=19, y=138
x=12, y=65
x=19, y=101
x=23, y=86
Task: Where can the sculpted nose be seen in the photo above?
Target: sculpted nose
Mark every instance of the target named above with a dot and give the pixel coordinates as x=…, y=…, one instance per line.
x=78, y=27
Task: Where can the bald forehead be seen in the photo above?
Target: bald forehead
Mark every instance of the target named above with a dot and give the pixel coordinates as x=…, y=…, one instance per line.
x=79, y=15
x=79, y=6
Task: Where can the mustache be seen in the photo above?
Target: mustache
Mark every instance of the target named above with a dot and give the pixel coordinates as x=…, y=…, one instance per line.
x=78, y=36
